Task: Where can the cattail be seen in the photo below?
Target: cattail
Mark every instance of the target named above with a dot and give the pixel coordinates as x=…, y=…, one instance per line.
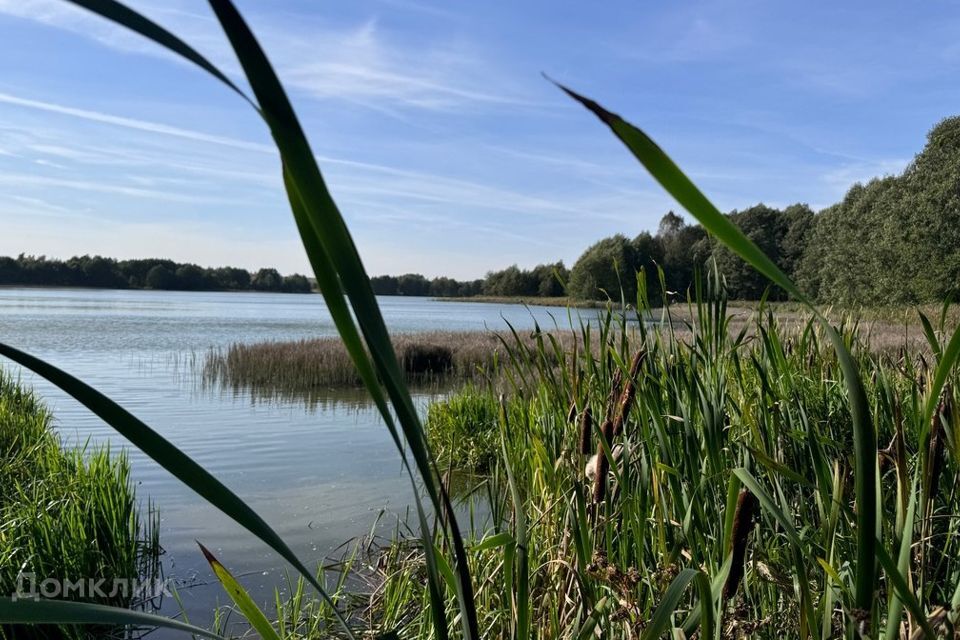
x=922, y=373
x=572, y=413
x=603, y=465
x=629, y=393
x=586, y=431
x=615, y=382
x=747, y=506
x=943, y=415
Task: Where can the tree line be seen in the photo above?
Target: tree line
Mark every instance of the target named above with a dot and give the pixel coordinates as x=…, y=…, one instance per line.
x=150, y=273
x=894, y=240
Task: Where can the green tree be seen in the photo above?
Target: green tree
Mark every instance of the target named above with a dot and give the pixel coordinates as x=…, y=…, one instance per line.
x=385, y=286
x=413, y=284
x=684, y=249
x=603, y=269
x=767, y=227
x=160, y=277
x=550, y=279
x=267, y=280
x=444, y=287
x=190, y=277
x=296, y=283
x=511, y=281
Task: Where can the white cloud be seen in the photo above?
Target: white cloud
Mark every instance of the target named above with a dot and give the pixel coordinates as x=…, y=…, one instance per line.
x=133, y=123
x=355, y=63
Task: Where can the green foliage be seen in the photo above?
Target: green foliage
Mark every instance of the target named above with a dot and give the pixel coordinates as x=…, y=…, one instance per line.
x=160, y=277
x=66, y=514
x=894, y=240
x=604, y=270
x=149, y=273
x=463, y=430
x=684, y=248
x=544, y=280
x=782, y=235
x=713, y=413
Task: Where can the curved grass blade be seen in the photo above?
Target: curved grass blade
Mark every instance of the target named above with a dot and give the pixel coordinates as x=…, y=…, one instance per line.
x=660, y=621
x=930, y=334
x=67, y=612
x=332, y=233
x=123, y=15
x=903, y=591
x=944, y=366
x=587, y=628
x=895, y=610
x=678, y=185
x=522, y=561
x=241, y=598
x=168, y=456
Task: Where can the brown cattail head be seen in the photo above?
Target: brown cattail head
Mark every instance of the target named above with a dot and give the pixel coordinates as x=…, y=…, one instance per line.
x=603, y=464
x=615, y=383
x=572, y=413
x=922, y=373
x=586, y=431
x=747, y=507
x=943, y=415
x=629, y=393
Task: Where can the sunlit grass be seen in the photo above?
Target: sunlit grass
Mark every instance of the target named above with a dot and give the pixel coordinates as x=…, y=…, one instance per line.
x=706, y=405
x=66, y=514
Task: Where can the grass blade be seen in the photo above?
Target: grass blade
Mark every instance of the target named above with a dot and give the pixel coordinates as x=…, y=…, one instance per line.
x=67, y=612
x=678, y=185
x=123, y=15
x=331, y=233
x=168, y=456
x=660, y=621
x=241, y=598
x=899, y=584
x=944, y=366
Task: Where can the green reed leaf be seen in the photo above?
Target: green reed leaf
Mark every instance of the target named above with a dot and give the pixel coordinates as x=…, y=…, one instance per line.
x=684, y=191
x=67, y=612
x=168, y=456
x=241, y=598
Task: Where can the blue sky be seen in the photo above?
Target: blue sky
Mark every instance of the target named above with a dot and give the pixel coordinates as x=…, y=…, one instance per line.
x=446, y=150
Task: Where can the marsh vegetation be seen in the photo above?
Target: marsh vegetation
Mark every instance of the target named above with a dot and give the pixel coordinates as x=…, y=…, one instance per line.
x=68, y=515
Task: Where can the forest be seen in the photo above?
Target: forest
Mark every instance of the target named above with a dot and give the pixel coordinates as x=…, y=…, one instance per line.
x=894, y=240
x=149, y=273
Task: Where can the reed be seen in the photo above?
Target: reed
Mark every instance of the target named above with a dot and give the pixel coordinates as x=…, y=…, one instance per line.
x=67, y=515
x=303, y=366
x=664, y=494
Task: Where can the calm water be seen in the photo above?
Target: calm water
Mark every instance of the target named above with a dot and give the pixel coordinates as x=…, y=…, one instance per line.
x=318, y=476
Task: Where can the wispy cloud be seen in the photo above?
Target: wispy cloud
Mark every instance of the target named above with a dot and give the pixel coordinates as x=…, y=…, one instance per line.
x=100, y=186
x=357, y=63
x=133, y=123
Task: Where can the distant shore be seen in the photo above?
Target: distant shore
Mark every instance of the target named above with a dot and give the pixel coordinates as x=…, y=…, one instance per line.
x=561, y=301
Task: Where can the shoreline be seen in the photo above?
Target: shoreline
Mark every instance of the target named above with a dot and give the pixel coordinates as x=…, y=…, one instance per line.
x=534, y=301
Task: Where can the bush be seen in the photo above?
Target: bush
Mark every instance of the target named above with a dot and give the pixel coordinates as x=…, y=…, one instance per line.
x=463, y=430
x=425, y=360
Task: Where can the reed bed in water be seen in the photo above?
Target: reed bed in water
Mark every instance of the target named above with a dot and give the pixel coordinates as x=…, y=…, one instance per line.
x=67, y=515
x=708, y=454
x=322, y=363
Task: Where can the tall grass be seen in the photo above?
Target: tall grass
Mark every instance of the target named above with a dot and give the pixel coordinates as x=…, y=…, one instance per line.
x=67, y=514
x=735, y=464
x=303, y=366
x=852, y=559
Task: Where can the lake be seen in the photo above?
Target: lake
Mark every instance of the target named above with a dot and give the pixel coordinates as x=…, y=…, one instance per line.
x=319, y=475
